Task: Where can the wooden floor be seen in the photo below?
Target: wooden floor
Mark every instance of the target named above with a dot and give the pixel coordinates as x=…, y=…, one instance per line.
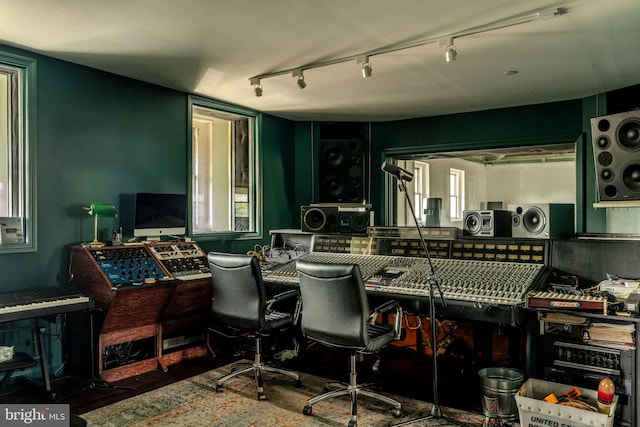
x=401, y=371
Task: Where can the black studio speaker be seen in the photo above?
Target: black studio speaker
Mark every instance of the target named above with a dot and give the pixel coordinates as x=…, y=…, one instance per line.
x=542, y=220
x=341, y=170
x=327, y=218
x=320, y=219
x=616, y=150
x=487, y=223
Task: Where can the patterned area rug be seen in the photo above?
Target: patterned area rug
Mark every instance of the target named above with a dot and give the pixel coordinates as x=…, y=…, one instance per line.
x=194, y=402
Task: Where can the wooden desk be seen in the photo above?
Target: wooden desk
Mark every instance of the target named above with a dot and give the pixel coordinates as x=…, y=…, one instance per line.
x=139, y=317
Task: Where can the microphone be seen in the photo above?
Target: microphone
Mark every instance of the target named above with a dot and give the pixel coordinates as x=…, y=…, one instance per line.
x=397, y=171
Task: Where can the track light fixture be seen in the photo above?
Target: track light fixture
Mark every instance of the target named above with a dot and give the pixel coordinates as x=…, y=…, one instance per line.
x=450, y=52
x=366, y=66
x=300, y=75
x=446, y=41
x=257, y=87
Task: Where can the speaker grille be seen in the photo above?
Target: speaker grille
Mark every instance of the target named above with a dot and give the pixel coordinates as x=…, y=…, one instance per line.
x=616, y=148
x=487, y=223
x=319, y=219
x=341, y=171
x=542, y=220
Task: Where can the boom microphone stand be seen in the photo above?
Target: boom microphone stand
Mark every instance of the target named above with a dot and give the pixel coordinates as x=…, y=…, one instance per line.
x=404, y=176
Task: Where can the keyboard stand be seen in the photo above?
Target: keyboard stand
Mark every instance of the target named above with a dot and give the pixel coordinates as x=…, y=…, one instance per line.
x=41, y=354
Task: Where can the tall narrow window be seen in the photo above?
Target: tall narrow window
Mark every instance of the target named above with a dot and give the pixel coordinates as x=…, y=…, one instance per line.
x=456, y=194
x=421, y=188
x=17, y=106
x=223, y=170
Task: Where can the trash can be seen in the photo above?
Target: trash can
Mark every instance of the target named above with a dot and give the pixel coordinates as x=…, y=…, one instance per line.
x=503, y=384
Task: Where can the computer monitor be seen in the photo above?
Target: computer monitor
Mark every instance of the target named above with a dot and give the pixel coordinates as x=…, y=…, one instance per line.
x=160, y=214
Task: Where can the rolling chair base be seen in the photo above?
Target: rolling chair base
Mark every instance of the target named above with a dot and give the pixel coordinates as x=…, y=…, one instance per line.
x=257, y=367
x=353, y=390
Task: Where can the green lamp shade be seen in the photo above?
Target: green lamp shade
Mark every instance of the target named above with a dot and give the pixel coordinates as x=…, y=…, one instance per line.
x=103, y=210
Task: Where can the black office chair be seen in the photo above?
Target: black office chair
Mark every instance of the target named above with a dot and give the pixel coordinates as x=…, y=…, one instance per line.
x=240, y=303
x=335, y=312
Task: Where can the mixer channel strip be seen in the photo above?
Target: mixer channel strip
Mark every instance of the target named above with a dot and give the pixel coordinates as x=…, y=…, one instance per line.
x=501, y=283
x=475, y=282
x=184, y=261
x=369, y=265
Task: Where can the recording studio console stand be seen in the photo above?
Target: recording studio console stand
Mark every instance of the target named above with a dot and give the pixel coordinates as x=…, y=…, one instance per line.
x=436, y=411
x=95, y=382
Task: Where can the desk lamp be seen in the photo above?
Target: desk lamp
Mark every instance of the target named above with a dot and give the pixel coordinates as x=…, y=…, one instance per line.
x=100, y=210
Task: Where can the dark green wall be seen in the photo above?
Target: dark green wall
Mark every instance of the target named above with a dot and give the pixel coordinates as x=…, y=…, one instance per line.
x=566, y=121
x=102, y=137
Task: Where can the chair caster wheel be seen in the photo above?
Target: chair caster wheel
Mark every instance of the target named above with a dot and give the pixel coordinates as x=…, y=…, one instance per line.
x=262, y=396
x=219, y=388
x=396, y=412
x=298, y=384
x=352, y=423
x=306, y=410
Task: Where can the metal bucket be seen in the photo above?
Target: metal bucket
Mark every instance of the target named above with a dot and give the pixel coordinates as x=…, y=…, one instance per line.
x=502, y=383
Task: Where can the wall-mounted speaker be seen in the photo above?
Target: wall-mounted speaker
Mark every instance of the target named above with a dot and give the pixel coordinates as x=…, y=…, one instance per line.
x=341, y=170
x=487, y=223
x=616, y=150
x=323, y=218
x=542, y=220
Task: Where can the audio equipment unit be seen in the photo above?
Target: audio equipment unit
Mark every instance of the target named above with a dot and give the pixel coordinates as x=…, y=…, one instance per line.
x=183, y=260
x=542, y=220
x=566, y=358
x=355, y=219
x=341, y=170
x=487, y=223
x=320, y=218
x=326, y=218
x=616, y=149
x=432, y=212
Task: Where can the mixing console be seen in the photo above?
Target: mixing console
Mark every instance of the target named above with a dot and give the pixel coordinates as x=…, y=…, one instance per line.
x=482, y=282
x=127, y=265
x=184, y=260
x=135, y=265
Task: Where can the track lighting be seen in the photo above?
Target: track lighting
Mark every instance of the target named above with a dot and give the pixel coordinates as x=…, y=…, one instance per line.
x=450, y=54
x=445, y=41
x=257, y=87
x=299, y=74
x=366, y=66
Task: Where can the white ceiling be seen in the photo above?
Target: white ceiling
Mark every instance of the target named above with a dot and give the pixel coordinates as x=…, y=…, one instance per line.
x=213, y=47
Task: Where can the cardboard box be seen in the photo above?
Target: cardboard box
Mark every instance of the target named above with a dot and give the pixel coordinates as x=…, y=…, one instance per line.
x=534, y=412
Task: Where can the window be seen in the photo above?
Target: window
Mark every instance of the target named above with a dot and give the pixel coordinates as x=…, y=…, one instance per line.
x=420, y=189
x=456, y=194
x=223, y=163
x=17, y=127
